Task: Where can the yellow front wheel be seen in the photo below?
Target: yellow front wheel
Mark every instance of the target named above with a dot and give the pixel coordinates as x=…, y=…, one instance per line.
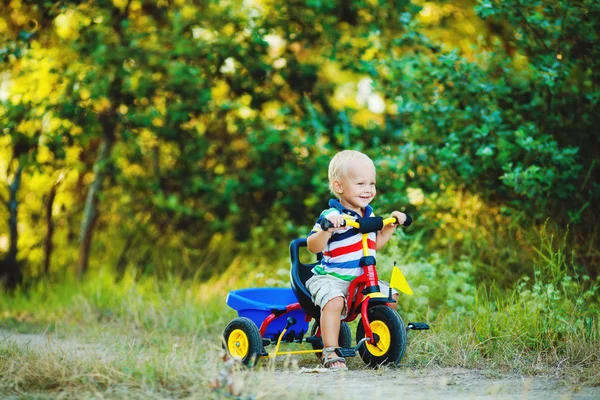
x=389, y=330
x=242, y=341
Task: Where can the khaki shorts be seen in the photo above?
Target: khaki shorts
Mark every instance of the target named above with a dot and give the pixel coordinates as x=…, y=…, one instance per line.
x=323, y=288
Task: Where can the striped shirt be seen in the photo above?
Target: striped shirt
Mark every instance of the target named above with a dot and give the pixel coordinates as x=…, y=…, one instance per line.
x=344, y=249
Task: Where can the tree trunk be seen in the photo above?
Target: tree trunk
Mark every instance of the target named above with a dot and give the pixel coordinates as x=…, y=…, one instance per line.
x=123, y=258
x=48, y=246
x=109, y=121
x=90, y=211
x=10, y=272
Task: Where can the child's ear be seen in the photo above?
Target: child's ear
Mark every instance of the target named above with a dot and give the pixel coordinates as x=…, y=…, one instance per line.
x=337, y=187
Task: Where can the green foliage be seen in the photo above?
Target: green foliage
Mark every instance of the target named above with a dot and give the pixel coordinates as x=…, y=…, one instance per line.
x=438, y=284
x=224, y=118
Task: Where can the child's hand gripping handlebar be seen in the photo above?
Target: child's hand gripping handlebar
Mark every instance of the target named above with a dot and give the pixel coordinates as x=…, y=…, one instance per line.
x=367, y=224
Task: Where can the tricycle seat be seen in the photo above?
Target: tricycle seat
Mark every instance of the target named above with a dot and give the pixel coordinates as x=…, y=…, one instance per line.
x=299, y=274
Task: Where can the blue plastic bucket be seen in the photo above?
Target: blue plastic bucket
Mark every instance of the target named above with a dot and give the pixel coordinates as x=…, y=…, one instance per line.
x=258, y=303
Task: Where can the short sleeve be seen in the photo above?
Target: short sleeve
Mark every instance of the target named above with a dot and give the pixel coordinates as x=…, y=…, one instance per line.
x=317, y=227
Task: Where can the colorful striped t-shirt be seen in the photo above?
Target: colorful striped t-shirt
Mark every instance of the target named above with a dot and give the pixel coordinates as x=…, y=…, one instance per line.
x=344, y=249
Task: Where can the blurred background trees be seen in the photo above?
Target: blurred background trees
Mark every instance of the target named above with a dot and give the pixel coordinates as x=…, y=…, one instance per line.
x=176, y=137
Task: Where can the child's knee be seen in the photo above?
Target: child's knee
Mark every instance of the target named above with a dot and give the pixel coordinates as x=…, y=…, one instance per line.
x=336, y=304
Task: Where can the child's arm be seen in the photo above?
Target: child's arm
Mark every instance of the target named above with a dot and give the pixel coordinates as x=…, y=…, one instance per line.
x=317, y=242
x=386, y=232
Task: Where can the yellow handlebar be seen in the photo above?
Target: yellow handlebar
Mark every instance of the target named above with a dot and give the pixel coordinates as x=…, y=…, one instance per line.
x=354, y=224
x=365, y=242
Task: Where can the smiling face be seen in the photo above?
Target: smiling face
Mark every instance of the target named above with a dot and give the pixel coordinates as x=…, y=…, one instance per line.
x=356, y=189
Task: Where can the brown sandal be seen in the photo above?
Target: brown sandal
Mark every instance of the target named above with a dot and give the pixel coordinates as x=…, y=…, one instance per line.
x=328, y=360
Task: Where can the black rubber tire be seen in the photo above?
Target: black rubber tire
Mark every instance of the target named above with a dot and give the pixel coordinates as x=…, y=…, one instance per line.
x=344, y=339
x=246, y=342
x=393, y=350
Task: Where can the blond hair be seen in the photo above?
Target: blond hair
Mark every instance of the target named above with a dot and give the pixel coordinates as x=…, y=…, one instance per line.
x=338, y=166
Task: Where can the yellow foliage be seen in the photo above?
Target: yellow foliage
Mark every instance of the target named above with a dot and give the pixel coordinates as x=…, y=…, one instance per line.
x=29, y=128
x=54, y=124
x=188, y=12
x=130, y=170
x=66, y=26
x=270, y=109
x=17, y=16
x=415, y=196
x=229, y=29
x=219, y=90
x=147, y=140
x=279, y=63
x=365, y=15
x=4, y=243
x=278, y=80
x=44, y=155
x=134, y=80
x=3, y=25
x=101, y=105
x=160, y=103
x=246, y=112
x=219, y=169
x=246, y=99
x=369, y=54
x=231, y=126
x=345, y=96
x=135, y=5
x=364, y=117
x=84, y=94
x=5, y=142
x=72, y=154
x=276, y=45
x=201, y=128
x=76, y=130
x=37, y=82
x=238, y=145
x=121, y=4
x=331, y=72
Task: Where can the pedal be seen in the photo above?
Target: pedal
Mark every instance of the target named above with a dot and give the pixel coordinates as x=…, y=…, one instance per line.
x=417, y=326
x=345, y=352
x=314, y=340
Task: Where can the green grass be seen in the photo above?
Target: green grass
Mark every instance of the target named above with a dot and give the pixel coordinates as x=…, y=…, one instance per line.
x=149, y=339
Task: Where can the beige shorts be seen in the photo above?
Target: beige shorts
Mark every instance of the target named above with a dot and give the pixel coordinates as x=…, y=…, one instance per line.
x=323, y=288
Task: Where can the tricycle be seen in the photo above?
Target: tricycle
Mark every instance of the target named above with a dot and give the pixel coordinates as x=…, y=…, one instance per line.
x=271, y=316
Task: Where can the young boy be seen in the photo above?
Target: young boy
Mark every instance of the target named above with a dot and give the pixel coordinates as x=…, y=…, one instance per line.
x=352, y=181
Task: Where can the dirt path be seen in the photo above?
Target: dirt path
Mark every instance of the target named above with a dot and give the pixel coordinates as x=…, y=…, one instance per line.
x=358, y=382
x=429, y=383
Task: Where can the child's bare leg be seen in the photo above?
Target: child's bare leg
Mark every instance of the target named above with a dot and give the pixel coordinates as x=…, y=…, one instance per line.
x=330, y=324
x=394, y=305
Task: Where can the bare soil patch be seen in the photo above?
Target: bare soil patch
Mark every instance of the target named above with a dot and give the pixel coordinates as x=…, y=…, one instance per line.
x=428, y=383
x=357, y=383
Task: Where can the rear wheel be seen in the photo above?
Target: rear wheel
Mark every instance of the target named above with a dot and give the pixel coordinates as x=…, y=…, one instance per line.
x=344, y=339
x=242, y=341
x=389, y=329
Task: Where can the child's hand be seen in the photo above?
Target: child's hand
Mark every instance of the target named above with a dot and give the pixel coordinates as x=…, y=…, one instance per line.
x=337, y=221
x=400, y=216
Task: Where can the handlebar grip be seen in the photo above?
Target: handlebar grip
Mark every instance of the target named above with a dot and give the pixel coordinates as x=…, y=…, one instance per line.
x=407, y=221
x=326, y=224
